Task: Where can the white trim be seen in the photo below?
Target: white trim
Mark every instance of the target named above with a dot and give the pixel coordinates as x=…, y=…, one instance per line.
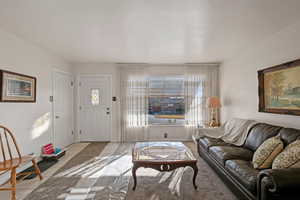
x=55, y=71
x=78, y=80
x=61, y=71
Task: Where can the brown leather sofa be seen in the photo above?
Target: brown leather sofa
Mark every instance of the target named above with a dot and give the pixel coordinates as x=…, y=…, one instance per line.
x=234, y=165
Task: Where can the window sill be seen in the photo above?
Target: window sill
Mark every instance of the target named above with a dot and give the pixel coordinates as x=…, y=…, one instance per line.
x=166, y=125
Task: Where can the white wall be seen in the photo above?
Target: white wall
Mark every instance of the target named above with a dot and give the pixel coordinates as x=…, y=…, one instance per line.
x=155, y=132
x=174, y=133
x=238, y=76
x=30, y=122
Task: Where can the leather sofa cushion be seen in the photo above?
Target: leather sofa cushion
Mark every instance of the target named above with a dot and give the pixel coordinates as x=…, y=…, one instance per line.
x=289, y=135
x=223, y=153
x=207, y=142
x=259, y=133
x=244, y=172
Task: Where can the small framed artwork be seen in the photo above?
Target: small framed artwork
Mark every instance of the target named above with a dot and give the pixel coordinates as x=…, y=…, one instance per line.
x=16, y=87
x=279, y=89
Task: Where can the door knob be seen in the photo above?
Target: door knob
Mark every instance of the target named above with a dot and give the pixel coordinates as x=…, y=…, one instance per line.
x=56, y=117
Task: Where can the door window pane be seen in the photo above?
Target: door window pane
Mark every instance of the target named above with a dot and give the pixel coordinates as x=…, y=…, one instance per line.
x=95, y=97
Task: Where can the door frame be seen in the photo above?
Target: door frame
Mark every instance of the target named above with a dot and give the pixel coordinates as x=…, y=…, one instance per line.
x=55, y=71
x=78, y=82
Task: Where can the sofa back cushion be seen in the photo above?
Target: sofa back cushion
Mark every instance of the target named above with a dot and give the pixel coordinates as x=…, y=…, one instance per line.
x=259, y=133
x=289, y=135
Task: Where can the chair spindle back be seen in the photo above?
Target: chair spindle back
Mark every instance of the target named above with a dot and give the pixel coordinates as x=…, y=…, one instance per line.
x=8, y=147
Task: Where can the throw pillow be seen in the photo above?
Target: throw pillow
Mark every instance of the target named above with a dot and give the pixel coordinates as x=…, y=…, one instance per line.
x=266, y=152
x=289, y=158
x=293, y=144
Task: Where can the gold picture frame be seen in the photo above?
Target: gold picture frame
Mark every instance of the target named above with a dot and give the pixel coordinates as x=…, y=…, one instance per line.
x=279, y=89
x=15, y=87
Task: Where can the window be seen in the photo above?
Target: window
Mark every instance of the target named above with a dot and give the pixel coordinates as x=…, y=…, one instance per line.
x=166, y=100
x=95, y=97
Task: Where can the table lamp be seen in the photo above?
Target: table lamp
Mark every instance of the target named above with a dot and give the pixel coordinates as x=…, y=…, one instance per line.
x=213, y=103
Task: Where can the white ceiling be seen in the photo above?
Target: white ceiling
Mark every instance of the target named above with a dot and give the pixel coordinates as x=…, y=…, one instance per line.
x=152, y=31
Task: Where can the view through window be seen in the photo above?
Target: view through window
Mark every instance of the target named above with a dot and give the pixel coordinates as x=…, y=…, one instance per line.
x=166, y=100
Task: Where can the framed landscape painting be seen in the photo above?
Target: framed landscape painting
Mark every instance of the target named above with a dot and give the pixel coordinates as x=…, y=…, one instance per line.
x=279, y=89
x=16, y=87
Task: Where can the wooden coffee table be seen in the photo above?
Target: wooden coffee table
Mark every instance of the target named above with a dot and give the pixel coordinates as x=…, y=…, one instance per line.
x=162, y=156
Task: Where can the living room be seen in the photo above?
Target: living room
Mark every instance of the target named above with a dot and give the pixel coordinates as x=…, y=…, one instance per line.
x=199, y=88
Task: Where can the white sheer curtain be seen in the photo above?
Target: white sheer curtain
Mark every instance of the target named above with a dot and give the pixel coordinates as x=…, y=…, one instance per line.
x=194, y=100
x=134, y=103
x=201, y=81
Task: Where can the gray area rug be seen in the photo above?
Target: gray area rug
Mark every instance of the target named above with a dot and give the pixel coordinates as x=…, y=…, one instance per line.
x=103, y=172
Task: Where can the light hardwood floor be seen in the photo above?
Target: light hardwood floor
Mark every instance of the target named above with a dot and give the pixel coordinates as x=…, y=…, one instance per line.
x=26, y=186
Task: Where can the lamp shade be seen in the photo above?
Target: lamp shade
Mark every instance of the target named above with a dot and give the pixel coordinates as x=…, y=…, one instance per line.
x=213, y=102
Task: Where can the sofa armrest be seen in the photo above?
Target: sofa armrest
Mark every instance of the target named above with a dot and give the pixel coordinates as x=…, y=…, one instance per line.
x=278, y=182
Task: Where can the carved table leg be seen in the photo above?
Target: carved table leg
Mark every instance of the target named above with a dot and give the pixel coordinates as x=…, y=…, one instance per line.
x=134, y=168
x=195, y=168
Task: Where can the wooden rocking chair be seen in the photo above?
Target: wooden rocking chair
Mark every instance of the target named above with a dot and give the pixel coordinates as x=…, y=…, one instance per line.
x=10, y=161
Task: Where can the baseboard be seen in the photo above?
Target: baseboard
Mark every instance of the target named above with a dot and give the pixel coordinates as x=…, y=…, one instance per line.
x=175, y=140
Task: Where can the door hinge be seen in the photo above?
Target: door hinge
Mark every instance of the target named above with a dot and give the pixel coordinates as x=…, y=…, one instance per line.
x=80, y=132
x=72, y=83
x=79, y=83
x=51, y=98
x=80, y=107
x=72, y=132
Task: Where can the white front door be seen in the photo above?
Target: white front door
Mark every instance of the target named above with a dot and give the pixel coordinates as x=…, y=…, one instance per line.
x=95, y=108
x=63, y=109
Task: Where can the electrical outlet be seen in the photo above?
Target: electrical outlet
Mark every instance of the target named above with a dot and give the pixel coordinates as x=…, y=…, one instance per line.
x=165, y=135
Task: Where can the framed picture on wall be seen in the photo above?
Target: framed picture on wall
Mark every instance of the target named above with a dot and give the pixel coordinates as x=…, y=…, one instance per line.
x=279, y=89
x=16, y=87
